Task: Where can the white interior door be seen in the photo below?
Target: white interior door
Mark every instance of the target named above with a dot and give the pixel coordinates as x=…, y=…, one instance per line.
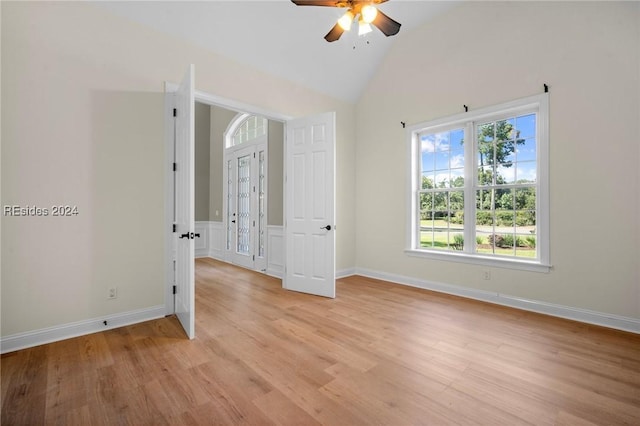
x=184, y=203
x=310, y=205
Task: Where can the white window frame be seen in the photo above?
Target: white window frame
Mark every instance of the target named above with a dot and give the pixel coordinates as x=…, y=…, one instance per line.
x=467, y=120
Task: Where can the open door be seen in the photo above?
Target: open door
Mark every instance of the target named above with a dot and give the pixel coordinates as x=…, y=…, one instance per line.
x=184, y=203
x=310, y=205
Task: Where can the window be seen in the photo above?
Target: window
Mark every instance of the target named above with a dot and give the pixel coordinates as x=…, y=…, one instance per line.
x=247, y=128
x=479, y=186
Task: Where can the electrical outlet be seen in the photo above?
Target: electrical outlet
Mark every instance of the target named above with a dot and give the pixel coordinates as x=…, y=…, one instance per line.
x=486, y=275
x=113, y=293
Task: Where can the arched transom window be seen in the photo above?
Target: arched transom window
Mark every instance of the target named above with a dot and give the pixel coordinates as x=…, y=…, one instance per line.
x=247, y=128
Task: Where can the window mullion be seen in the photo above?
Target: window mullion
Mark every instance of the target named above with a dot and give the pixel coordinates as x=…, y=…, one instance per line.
x=469, y=189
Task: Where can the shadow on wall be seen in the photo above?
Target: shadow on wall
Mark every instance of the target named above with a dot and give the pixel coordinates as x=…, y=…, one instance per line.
x=127, y=201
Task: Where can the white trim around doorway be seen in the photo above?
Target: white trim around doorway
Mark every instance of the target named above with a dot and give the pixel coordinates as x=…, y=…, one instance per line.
x=209, y=99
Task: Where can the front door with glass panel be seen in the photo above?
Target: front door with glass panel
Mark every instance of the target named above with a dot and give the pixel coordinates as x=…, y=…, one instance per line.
x=246, y=175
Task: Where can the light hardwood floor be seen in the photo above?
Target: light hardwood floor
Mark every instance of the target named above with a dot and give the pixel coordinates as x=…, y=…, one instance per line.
x=377, y=354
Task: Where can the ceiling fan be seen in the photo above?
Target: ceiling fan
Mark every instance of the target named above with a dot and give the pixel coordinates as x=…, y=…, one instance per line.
x=366, y=12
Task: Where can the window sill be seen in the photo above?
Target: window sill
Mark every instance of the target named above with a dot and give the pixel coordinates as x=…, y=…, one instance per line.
x=474, y=259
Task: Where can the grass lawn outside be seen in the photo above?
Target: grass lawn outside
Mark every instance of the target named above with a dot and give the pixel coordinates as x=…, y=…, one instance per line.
x=439, y=234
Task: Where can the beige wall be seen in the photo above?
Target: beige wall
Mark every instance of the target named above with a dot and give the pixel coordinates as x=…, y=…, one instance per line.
x=276, y=171
x=1, y=198
x=638, y=167
x=481, y=54
x=94, y=82
x=220, y=119
x=202, y=154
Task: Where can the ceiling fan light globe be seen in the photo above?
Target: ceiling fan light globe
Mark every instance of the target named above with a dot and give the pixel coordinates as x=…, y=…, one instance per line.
x=364, y=28
x=369, y=13
x=346, y=20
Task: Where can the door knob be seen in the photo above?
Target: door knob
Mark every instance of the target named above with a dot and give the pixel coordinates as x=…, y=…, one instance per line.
x=189, y=235
x=328, y=227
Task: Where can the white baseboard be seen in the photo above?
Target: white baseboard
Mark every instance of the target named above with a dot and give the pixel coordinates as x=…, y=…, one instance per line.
x=274, y=274
x=66, y=331
x=343, y=273
x=577, y=314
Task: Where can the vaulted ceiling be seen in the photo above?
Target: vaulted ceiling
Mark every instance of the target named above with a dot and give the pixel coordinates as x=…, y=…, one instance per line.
x=283, y=39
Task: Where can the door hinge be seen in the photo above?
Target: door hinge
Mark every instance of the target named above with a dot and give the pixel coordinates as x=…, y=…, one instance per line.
x=175, y=167
x=175, y=289
x=175, y=227
x=175, y=112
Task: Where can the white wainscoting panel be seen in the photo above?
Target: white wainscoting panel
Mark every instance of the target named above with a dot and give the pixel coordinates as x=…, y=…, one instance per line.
x=201, y=244
x=275, y=251
x=212, y=244
x=211, y=241
x=216, y=240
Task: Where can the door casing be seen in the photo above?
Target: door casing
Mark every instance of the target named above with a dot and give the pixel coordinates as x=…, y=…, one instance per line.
x=209, y=99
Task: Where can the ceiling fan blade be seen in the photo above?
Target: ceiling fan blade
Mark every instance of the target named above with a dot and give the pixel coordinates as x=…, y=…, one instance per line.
x=334, y=34
x=328, y=3
x=387, y=25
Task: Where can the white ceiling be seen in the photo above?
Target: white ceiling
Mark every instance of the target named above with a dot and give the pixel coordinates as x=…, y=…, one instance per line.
x=283, y=39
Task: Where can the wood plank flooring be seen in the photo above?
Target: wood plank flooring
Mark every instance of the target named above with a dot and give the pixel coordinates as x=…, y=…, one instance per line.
x=377, y=354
